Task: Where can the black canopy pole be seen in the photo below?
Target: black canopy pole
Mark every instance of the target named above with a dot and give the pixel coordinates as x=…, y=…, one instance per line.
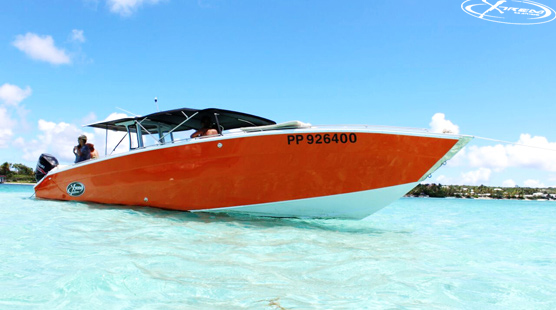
x=106, y=142
x=217, y=124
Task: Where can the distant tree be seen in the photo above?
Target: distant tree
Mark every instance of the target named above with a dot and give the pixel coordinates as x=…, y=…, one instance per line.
x=22, y=169
x=460, y=191
x=5, y=169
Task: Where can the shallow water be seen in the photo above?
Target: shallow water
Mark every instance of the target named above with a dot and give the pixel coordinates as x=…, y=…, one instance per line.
x=415, y=254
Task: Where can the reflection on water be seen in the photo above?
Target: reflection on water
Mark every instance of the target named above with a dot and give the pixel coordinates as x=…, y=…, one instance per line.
x=245, y=220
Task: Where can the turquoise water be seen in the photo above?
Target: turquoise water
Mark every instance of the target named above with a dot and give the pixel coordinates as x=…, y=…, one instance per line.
x=415, y=254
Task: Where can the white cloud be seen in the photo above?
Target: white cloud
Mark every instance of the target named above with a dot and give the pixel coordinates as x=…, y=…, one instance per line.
x=89, y=118
x=113, y=138
x=540, y=155
x=459, y=159
x=58, y=139
x=115, y=115
x=41, y=48
x=482, y=175
x=443, y=179
x=495, y=157
x=10, y=97
x=440, y=124
x=533, y=183
x=127, y=7
x=12, y=94
x=529, y=152
x=31, y=150
x=509, y=183
x=6, y=126
x=77, y=36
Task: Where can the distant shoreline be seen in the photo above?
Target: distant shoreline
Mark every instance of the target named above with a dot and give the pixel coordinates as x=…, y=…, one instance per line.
x=482, y=192
x=16, y=183
x=480, y=198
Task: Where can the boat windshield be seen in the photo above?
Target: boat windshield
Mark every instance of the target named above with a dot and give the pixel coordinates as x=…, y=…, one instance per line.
x=161, y=127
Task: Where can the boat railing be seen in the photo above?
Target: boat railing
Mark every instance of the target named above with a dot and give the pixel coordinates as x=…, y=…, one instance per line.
x=374, y=127
x=279, y=126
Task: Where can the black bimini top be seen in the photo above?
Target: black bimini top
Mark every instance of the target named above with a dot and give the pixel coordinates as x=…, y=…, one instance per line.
x=187, y=119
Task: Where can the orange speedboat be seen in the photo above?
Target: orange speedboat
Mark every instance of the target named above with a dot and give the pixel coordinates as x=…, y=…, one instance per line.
x=254, y=166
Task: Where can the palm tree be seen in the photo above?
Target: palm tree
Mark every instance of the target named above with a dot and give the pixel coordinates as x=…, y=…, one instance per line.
x=5, y=169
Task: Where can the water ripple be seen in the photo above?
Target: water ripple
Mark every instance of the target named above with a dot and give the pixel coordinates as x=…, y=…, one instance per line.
x=415, y=254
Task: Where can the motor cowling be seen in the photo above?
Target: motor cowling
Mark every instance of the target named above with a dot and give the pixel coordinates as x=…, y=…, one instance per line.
x=46, y=163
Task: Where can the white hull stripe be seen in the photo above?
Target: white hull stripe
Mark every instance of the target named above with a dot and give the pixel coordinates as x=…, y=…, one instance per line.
x=356, y=205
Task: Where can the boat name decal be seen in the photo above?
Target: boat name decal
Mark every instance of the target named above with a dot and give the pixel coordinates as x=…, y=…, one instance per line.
x=326, y=138
x=75, y=189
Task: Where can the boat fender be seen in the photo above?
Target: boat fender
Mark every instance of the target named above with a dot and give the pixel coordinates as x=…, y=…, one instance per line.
x=46, y=163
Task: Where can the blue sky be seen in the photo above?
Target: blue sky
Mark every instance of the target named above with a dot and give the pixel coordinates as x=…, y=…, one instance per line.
x=398, y=63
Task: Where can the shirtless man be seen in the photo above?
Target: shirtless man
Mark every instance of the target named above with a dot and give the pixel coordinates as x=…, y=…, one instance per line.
x=205, y=130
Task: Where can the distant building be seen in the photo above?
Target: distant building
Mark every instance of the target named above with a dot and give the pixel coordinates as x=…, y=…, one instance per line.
x=2, y=178
x=536, y=196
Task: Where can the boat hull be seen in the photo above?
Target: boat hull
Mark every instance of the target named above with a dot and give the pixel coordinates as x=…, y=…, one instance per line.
x=357, y=205
x=286, y=174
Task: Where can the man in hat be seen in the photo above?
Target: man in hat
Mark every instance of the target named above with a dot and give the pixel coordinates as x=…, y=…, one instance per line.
x=82, y=151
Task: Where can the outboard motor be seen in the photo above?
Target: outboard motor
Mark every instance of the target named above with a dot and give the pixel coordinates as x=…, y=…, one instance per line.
x=46, y=163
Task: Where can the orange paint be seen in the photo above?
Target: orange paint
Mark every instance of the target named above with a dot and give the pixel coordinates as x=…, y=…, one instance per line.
x=250, y=169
